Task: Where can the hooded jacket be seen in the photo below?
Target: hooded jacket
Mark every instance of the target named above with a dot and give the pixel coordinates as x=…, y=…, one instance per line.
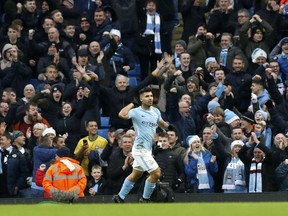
x=65, y=174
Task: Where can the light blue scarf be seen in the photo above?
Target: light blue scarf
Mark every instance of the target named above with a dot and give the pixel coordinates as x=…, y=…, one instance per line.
x=223, y=57
x=202, y=174
x=150, y=29
x=234, y=175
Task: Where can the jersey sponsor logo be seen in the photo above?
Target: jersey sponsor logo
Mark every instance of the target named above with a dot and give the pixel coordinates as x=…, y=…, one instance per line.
x=149, y=124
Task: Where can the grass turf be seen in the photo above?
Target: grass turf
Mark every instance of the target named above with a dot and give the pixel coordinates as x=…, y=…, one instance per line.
x=175, y=209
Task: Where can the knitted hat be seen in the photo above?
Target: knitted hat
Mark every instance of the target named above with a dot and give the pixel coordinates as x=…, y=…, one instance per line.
x=16, y=134
x=258, y=53
x=57, y=88
x=49, y=131
x=230, y=116
x=256, y=29
x=63, y=152
x=115, y=32
x=191, y=139
x=212, y=105
x=263, y=113
x=84, y=18
x=237, y=142
x=82, y=52
x=29, y=86
x=249, y=117
x=210, y=59
x=283, y=41
x=5, y=48
x=194, y=80
x=182, y=43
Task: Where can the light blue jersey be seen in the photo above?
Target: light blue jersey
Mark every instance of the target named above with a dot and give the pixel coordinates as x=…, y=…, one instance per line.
x=145, y=123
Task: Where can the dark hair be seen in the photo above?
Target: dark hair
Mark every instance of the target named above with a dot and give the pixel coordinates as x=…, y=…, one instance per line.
x=236, y=127
x=29, y=104
x=7, y=135
x=172, y=128
x=148, y=1
x=145, y=89
x=56, y=138
x=9, y=90
x=99, y=10
x=91, y=120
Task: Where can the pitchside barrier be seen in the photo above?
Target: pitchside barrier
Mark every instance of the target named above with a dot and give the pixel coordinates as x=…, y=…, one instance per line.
x=181, y=198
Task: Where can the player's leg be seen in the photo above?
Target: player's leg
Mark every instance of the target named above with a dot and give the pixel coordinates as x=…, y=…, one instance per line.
x=129, y=183
x=151, y=182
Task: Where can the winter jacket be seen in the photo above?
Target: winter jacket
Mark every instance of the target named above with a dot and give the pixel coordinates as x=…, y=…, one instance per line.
x=65, y=174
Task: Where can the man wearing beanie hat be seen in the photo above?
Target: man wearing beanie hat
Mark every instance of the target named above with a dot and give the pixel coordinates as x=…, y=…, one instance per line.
x=65, y=179
x=180, y=47
x=85, y=30
x=280, y=53
x=259, y=56
x=121, y=58
x=18, y=140
x=85, y=66
x=181, y=43
x=231, y=118
x=261, y=32
x=212, y=105
x=50, y=102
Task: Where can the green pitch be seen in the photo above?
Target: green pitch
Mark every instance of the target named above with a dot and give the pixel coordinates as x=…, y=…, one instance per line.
x=177, y=209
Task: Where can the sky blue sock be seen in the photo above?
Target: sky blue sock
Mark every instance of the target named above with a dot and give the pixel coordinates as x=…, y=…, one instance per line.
x=126, y=188
x=148, y=189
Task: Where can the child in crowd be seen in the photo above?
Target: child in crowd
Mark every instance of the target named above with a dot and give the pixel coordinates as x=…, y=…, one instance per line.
x=96, y=185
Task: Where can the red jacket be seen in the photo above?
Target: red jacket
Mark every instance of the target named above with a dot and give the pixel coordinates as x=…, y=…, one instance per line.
x=65, y=174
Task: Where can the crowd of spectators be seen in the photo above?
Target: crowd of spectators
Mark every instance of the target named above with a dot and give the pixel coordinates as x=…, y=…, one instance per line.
x=223, y=89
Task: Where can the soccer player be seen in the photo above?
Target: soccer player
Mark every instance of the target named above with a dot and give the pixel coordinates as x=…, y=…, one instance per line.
x=146, y=119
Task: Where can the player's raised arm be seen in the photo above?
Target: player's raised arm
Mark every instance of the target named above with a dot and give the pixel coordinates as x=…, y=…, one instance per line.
x=163, y=124
x=124, y=112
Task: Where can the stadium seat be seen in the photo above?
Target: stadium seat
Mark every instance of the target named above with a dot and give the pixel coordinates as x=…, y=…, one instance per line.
x=105, y=122
x=103, y=132
x=136, y=72
x=34, y=82
x=133, y=81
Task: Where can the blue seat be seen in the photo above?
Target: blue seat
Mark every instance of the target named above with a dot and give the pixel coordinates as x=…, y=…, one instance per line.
x=133, y=81
x=105, y=122
x=136, y=72
x=34, y=82
x=103, y=132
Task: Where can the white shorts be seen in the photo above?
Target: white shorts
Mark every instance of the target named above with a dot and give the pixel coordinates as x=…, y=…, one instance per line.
x=144, y=161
